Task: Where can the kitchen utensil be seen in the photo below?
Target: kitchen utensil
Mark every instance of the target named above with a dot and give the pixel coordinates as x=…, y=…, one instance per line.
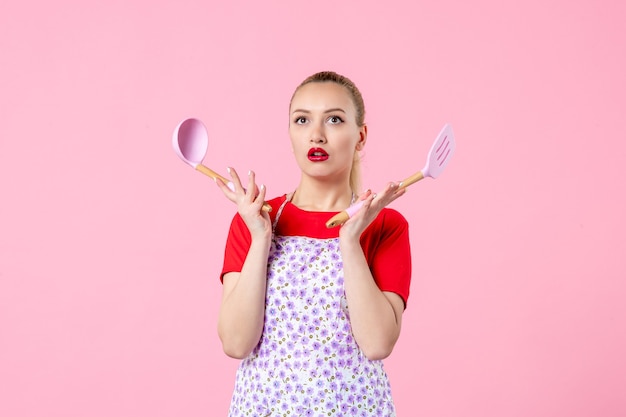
x=439, y=155
x=191, y=142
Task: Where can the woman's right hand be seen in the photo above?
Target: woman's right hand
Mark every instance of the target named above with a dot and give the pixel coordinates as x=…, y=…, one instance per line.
x=249, y=203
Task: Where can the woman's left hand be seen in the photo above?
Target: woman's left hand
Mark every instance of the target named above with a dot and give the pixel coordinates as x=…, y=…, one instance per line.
x=372, y=205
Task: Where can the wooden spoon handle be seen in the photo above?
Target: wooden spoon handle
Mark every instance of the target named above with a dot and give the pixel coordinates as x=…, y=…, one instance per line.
x=209, y=172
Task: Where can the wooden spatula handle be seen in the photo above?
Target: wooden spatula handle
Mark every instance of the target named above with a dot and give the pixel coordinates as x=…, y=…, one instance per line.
x=411, y=180
x=341, y=218
x=338, y=219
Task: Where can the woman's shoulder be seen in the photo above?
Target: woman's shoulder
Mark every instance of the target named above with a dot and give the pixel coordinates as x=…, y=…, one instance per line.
x=388, y=223
x=391, y=217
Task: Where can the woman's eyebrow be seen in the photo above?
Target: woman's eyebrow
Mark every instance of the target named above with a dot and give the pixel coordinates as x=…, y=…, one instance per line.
x=335, y=109
x=325, y=111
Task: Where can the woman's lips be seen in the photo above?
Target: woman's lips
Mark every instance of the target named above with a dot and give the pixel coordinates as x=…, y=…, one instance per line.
x=317, y=155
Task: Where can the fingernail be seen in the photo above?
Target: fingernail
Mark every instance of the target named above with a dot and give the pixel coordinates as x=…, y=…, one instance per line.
x=228, y=169
x=262, y=186
x=249, y=172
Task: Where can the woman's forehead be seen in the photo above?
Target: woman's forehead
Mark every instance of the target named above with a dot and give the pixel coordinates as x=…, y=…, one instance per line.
x=322, y=95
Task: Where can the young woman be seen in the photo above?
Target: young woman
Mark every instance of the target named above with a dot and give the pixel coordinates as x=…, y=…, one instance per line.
x=312, y=310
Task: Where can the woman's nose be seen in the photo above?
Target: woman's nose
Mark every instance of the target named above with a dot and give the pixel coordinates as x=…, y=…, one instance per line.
x=317, y=136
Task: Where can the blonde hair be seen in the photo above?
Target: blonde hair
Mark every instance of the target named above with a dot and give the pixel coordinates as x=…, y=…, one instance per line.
x=357, y=99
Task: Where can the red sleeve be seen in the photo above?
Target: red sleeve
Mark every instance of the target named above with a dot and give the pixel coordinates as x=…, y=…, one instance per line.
x=237, y=246
x=239, y=240
x=388, y=253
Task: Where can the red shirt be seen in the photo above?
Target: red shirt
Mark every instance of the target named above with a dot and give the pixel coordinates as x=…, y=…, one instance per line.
x=385, y=242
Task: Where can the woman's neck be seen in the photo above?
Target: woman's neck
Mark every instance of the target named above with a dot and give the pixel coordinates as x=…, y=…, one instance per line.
x=316, y=196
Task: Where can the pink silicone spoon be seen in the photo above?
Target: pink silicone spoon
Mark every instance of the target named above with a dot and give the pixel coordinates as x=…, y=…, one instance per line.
x=191, y=142
x=440, y=153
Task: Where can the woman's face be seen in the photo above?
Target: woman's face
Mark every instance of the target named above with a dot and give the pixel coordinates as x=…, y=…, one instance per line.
x=323, y=130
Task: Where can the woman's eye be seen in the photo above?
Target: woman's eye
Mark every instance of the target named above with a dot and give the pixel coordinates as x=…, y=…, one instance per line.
x=335, y=120
x=300, y=120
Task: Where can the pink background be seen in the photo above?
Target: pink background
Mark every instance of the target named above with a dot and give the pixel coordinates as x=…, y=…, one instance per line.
x=110, y=247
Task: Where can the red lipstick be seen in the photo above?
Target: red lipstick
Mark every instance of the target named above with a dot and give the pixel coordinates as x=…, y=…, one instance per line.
x=317, y=155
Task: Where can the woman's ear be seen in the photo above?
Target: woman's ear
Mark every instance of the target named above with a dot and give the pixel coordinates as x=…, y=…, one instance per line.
x=362, y=138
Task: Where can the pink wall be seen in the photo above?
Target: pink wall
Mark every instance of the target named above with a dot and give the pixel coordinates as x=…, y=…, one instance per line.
x=110, y=247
